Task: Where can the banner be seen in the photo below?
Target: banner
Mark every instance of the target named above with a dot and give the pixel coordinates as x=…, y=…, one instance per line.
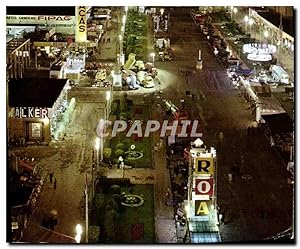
x=204, y=165
x=81, y=25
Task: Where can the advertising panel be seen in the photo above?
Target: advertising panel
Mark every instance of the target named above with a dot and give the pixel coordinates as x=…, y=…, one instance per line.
x=62, y=24
x=81, y=24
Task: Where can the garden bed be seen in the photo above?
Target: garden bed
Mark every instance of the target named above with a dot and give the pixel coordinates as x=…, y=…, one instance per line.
x=121, y=145
x=119, y=223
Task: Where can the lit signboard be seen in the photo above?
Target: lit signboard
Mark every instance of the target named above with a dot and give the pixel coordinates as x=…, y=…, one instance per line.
x=35, y=19
x=204, y=186
x=81, y=27
x=204, y=165
x=31, y=112
x=203, y=208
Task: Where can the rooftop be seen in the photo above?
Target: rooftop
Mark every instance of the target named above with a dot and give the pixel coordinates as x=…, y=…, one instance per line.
x=45, y=10
x=34, y=92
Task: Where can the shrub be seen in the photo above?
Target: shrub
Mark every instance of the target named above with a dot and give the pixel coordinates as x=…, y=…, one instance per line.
x=94, y=233
x=114, y=108
x=121, y=146
x=107, y=153
x=119, y=153
x=124, y=116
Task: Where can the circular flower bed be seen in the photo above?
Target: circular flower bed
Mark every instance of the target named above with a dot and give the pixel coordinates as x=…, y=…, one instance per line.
x=132, y=201
x=133, y=155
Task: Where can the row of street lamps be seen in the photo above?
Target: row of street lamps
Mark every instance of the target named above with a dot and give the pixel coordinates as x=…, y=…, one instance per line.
x=248, y=21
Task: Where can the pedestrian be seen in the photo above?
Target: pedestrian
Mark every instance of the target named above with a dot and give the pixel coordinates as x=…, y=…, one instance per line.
x=249, y=130
x=51, y=176
x=220, y=218
x=54, y=183
x=221, y=136
x=230, y=178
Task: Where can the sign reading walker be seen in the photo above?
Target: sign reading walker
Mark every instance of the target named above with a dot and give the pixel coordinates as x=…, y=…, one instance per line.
x=81, y=27
x=31, y=112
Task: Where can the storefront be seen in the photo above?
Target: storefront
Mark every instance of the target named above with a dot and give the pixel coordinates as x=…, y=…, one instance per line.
x=34, y=105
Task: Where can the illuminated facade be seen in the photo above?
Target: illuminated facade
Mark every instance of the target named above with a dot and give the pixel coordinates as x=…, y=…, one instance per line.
x=31, y=116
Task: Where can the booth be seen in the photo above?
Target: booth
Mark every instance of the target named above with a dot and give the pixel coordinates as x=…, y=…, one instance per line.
x=38, y=109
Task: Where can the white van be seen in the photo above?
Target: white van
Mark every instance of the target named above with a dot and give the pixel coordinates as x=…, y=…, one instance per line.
x=279, y=74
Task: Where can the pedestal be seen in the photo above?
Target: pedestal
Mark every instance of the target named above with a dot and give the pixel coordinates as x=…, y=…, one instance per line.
x=199, y=65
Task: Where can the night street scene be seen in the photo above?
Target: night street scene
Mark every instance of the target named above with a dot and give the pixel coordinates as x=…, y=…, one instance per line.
x=150, y=125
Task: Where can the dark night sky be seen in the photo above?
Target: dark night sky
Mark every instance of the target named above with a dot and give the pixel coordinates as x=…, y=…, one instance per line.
x=45, y=10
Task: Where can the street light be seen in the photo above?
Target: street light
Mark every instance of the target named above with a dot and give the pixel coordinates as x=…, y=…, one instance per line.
x=97, y=146
x=121, y=162
x=251, y=21
x=231, y=11
x=266, y=34
x=108, y=97
x=78, y=233
x=153, y=57
x=246, y=19
x=235, y=11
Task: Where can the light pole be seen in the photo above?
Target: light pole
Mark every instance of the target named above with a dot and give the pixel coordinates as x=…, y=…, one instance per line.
x=121, y=161
x=266, y=35
x=251, y=21
x=78, y=233
x=153, y=58
x=108, y=103
x=246, y=19
x=231, y=11
x=97, y=146
x=234, y=11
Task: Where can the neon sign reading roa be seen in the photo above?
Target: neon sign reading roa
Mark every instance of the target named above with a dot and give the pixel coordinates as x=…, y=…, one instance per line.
x=31, y=112
x=81, y=24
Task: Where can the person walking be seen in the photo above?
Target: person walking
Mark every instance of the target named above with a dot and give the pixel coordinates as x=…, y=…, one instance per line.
x=54, y=183
x=51, y=176
x=230, y=178
x=220, y=218
x=221, y=136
